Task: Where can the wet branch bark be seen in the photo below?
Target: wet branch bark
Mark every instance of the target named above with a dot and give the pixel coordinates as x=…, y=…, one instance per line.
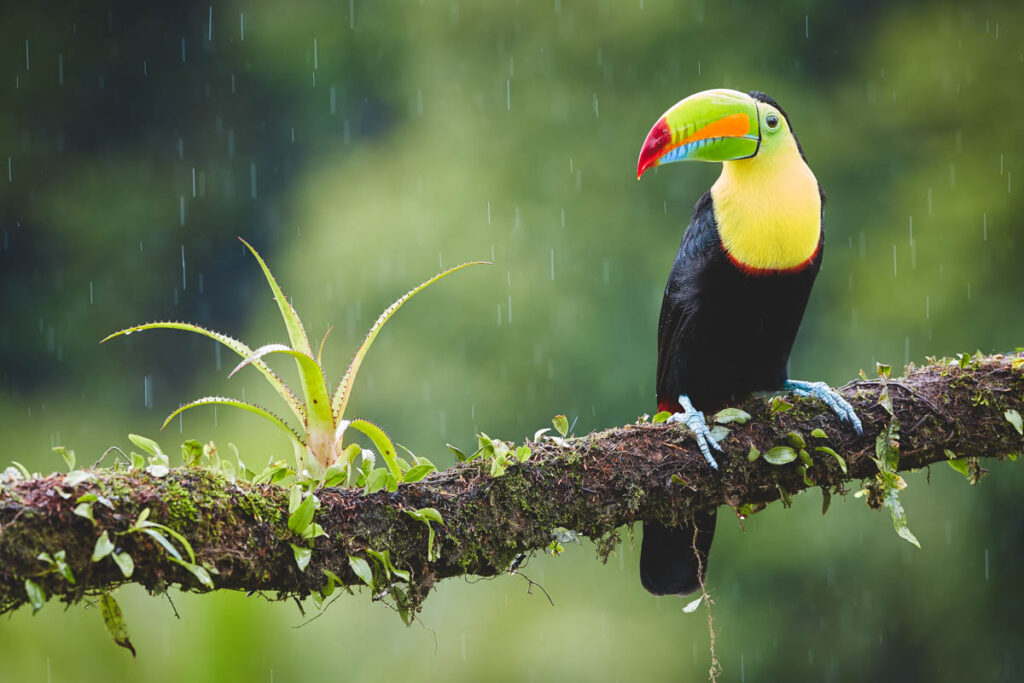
x=594, y=485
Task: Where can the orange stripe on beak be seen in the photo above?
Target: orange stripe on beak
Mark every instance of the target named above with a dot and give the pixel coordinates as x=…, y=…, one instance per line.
x=659, y=140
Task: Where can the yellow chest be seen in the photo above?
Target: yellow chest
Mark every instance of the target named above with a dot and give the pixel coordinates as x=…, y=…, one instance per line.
x=768, y=212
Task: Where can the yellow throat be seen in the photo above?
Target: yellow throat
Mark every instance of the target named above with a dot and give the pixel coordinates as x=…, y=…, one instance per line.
x=768, y=210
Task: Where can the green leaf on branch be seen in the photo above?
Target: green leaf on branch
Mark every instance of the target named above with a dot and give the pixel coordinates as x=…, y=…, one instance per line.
x=660, y=417
x=887, y=458
x=1013, y=417
x=301, y=516
x=104, y=546
x=428, y=515
x=780, y=455
x=839, y=458
x=561, y=423
x=361, y=568
x=729, y=415
x=779, y=405
x=302, y=556
x=899, y=516
x=960, y=465
x=384, y=559
x=191, y=453
x=84, y=509
x=417, y=472
x=148, y=445
x=36, y=596
x=124, y=562
x=113, y=619
x=68, y=455
x=459, y=455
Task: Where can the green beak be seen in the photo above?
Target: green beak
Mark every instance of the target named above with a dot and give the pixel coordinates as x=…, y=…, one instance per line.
x=713, y=125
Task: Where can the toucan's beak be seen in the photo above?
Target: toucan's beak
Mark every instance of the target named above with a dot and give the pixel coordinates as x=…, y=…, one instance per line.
x=714, y=125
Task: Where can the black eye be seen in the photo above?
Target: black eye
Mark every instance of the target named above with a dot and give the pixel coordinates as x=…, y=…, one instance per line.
x=771, y=120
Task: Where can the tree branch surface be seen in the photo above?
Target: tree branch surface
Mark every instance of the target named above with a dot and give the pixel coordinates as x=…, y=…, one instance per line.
x=592, y=484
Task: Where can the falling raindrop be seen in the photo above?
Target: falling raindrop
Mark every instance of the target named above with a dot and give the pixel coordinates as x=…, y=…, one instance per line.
x=181, y=209
x=90, y=290
x=209, y=30
x=508, y=94
x=183, y=50
x=552, y=264
x=60, y=68
x=184, y=285
x=241, y=26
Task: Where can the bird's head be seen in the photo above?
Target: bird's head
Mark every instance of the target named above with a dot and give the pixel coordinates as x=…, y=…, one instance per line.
x=717, y=125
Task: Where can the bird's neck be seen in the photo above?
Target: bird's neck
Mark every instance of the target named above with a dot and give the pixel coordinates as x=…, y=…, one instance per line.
x=768, y=210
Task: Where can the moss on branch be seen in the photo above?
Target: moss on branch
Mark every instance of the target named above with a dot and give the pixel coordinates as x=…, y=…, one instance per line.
x=593, y=485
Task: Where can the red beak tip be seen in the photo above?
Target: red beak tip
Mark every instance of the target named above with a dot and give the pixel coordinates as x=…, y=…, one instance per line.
x=659, y=137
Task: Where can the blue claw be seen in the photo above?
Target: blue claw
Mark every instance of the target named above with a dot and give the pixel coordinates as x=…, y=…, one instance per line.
x=837, y=403
x=695, y=422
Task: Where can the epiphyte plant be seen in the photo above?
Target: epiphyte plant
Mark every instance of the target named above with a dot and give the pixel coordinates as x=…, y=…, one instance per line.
x=318, y=445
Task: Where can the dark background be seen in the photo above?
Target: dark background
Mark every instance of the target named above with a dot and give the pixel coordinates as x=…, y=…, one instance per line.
x=361, y=147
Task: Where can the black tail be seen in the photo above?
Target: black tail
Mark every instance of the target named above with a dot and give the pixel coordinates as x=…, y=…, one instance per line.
x=668, y=563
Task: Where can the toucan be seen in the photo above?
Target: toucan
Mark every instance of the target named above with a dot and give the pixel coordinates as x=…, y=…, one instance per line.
x=736, y=292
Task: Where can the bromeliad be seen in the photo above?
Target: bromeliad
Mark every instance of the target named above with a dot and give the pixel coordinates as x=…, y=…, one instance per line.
x=319, y=444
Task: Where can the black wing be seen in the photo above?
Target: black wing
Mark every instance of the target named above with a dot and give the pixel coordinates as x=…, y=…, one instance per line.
x=700, y=245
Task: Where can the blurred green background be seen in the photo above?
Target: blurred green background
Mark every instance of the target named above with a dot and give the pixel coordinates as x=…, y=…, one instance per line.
x=362, y=146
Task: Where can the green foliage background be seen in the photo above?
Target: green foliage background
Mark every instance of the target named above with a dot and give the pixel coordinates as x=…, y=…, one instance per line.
x=363, y=146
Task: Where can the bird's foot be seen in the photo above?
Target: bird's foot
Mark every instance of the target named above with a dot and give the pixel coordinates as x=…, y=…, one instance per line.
x=695, y=422
x=831, y=397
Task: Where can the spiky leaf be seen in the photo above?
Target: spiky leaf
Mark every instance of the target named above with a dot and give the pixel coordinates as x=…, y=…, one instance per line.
x=341, y=394
x=296, y=332
x=383, y=443
x=251, y=407
x=238, y=347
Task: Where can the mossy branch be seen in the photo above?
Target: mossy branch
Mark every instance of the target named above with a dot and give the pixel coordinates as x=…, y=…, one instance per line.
x=593, y=484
